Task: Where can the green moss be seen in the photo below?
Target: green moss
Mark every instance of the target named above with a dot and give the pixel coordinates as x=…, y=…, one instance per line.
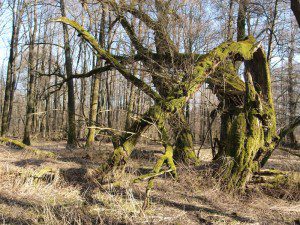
x=245, y=139
x=15, y=143
x=225, y=81
x=207, y=64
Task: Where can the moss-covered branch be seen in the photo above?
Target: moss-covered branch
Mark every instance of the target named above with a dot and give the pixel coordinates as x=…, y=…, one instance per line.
x=208, y=63
x=109, y=58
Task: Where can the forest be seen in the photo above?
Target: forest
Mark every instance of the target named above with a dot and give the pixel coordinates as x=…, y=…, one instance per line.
x=150, y=112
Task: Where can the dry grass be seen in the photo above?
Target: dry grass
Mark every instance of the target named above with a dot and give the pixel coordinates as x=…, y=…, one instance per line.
x=29, y=196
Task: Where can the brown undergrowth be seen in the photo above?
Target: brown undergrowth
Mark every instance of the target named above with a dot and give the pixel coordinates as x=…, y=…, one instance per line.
x=60, y=191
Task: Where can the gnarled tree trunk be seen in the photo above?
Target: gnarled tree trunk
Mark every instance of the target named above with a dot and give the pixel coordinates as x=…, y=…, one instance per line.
x=251, y=130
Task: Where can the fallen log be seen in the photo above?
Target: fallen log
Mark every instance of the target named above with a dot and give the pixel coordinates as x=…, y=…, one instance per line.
x=20, y=145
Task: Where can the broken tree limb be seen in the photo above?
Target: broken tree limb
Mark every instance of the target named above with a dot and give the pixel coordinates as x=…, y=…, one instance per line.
x=289, y=128
x=277, y=140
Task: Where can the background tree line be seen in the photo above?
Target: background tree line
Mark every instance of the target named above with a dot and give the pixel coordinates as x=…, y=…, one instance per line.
x=41, y=54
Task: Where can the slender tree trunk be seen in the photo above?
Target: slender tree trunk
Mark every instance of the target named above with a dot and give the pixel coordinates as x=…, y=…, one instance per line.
x=230, y=22
x=56, y=108
x=130, y=107
x=18, y=10
x=64, y=116
x=241, y=20
x=45, y=81
x=48, y=96
x=292, y=102
x=31, y=82
x=96, y=85
x=272, y=28
x=71, y=96
x=109, y=114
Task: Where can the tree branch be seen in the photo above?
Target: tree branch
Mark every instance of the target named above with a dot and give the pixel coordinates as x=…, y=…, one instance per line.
x=110, y=59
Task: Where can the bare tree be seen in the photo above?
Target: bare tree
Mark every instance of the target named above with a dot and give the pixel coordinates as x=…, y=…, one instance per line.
x=31, y=75
x=291, y=87
x=18, y=7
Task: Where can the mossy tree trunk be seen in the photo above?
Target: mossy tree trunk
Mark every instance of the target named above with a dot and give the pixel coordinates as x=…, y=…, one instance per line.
x=248, y=128
x=124, y=145
x=167, y=158
x=251, y=130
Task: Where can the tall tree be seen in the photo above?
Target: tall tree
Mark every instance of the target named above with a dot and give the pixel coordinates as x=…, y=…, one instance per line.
x=230, y=21
x=31, y=75
x=241, y=20
x=71, y=95
x=272, y=30
x=292, y=102
x=17, y=13
x=96, y=85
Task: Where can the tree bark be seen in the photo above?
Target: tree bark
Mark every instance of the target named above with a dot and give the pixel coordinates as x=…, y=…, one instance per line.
x=252, y=131
x=272, y=28
x=241, y=20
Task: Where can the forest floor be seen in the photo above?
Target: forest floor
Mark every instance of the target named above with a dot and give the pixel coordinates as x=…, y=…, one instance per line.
x=28, y=196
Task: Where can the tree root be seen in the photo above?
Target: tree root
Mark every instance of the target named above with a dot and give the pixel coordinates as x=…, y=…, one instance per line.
x=151, y=175
x=166, y=158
